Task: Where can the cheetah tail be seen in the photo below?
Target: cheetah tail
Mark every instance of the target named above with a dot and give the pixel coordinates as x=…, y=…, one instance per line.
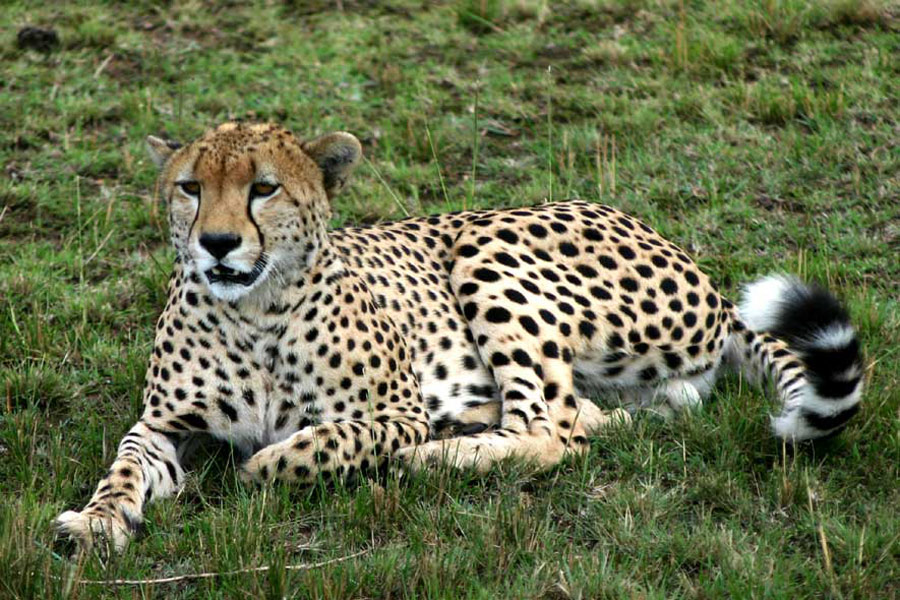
x=800, y=337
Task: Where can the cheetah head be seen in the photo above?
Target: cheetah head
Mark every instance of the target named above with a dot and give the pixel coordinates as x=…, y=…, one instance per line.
x=248, y=203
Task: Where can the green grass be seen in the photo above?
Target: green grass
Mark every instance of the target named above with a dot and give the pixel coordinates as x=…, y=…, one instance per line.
x=760, y=135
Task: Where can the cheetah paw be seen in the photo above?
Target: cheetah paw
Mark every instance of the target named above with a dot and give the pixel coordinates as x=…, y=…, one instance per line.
x=456, y=453
x=264, y=467
x=89, y=530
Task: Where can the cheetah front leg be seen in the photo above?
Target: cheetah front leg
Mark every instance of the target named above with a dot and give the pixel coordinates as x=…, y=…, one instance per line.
x=341, y=448
x=146, y=467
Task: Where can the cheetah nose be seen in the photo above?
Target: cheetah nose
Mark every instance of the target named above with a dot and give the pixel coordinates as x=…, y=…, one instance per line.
x=220, y=244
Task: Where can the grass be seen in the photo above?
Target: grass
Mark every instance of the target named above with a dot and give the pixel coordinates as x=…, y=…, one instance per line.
x=759, y=135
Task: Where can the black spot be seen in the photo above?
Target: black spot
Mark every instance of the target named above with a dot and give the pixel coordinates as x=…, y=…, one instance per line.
x=586, y=271
x=515, y=296
x=228, y=409
x=506, y=260
x=195, y=421
x=498, y=359
x=529, y=287
x=629, y=284
x=486, y=275
x=468, y=250
x=599, y=293
x=470, y=310
x=548, y=317
x=551, y=350
x=550, y=275
x=538, y=231
x=587, y=329
x=648, y=307
x=607, y=262
x=468, y=288
x=498, y=314
x=668, y=286
x=521, y=357
x=615, y=341
x=529, y=324
x=593, y=235
x=508, y=236
x=568, y=249
x=626, y=252
x=648, y=374
x=551, y=390
x=673, y=361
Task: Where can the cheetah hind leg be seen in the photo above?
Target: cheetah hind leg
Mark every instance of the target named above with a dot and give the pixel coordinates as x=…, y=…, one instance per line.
x=474, y=419
x=668, y=399
x=483, y=417
x=594, y=419
x=468, y=451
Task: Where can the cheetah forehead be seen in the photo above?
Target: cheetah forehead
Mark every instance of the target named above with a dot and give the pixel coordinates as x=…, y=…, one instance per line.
x=242, y=151
x=236, y=140
x=245, y=137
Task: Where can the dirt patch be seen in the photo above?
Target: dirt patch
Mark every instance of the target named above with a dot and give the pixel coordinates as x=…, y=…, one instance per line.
x=774, y=204
x=41, y=39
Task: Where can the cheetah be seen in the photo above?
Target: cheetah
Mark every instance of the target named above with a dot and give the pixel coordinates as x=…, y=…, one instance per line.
x=457, y=339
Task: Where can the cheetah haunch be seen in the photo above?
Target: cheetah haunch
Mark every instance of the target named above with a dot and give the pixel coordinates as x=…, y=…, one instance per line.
x=317, y=351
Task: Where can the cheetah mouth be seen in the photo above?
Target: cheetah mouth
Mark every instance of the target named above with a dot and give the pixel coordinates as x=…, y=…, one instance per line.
x=226, y=275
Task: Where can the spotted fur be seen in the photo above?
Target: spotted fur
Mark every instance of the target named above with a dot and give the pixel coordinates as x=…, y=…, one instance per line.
x=463, y=338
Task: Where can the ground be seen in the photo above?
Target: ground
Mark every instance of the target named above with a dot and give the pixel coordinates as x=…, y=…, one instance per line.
x=760, y=135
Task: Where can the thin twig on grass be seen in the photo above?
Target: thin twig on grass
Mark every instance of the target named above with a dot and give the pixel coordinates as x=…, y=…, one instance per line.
x=213, y=574
x=103, y=65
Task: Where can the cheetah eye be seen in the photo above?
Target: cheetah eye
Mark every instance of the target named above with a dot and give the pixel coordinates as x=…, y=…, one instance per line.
x=191, y=188
x=261, y=189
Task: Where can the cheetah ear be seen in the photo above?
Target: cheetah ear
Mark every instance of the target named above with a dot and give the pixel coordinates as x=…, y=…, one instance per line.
x=337, y=154
x=160, y=150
